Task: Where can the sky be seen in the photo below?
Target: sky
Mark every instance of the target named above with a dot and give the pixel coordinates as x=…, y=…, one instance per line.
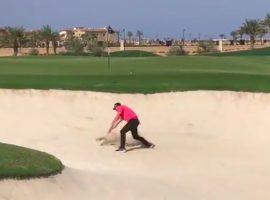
x=156, y=18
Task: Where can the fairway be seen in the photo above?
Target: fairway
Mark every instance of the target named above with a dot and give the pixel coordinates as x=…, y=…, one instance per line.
x=138, y=75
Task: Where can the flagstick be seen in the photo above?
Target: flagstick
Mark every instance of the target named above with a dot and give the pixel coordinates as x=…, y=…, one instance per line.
x=109, y=60
x=108, y=51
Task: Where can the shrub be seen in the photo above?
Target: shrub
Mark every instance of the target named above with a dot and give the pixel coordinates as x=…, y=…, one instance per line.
x=95, y=48
x=69, y=53
x=33, y=52
x=177, y=51
x=97, y=51
x=74, y=46
x=132, y=53
x=206, y=46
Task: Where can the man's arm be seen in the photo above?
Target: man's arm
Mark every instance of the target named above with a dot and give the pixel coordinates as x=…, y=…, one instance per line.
x=115, y=122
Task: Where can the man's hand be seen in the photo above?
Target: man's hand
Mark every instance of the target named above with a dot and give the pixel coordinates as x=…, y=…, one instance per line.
x=115, y=123
x=110, y=130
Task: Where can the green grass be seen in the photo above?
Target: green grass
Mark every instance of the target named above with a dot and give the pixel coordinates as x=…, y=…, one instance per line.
x=237, y=71
x=132, y=53
x=138, y=74
x=18, y=162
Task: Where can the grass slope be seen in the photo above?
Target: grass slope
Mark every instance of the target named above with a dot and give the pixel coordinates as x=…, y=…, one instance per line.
x=138, y=75
x=254, y=52
x=18, y=162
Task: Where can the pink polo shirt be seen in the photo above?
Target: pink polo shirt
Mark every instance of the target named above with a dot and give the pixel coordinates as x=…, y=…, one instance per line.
x=126, y=113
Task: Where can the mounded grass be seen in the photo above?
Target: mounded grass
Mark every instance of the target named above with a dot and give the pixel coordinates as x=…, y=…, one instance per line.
x=23, y=163
x=132, y=53
x=254, y=52
x=138, y=75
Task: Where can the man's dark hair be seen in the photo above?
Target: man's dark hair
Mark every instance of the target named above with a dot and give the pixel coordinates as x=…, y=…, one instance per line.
x=116, y=104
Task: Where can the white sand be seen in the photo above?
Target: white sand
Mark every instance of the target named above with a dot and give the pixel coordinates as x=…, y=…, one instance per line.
x=210, y=145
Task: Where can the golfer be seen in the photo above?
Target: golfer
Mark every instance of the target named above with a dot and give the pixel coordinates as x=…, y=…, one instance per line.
x=125, y=113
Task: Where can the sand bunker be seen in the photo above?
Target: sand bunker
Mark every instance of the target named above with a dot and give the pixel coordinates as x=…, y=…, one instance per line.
x=210, y=145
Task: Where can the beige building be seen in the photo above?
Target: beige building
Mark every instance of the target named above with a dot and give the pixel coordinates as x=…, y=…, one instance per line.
x=101, y=34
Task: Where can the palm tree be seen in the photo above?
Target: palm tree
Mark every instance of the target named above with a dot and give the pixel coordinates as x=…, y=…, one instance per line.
x=33, y=39
x=240, y=33
x=263, y=31
x=54, y=38
x=266, y=22
x=129, y=34
x=46, y=34
x=234, y=35
x=13, y=37
x=222, y=36
x=252, y=28
x=139, y=35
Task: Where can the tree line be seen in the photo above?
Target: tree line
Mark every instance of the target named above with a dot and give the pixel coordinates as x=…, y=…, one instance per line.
x=17, y=37
x=253, y=28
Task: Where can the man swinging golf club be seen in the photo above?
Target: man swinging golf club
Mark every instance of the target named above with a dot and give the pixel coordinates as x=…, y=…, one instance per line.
x=125, y=113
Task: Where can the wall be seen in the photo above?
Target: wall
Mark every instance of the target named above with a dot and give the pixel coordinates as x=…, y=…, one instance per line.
x=159, y=50
x=24, y=51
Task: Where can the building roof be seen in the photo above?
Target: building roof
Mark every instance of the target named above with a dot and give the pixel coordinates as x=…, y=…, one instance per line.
x=94, y=30
x=32, y=31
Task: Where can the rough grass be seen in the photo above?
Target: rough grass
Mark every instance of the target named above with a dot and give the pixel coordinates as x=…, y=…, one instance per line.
x=23, y=163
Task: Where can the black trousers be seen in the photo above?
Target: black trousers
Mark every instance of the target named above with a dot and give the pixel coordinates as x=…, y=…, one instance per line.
x=132, y=126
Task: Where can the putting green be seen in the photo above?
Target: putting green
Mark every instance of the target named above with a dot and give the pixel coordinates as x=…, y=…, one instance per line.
x=140, y=74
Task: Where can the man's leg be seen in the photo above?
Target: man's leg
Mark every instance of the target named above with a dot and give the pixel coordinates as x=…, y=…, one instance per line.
x=123, y=132
x=134, y=131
